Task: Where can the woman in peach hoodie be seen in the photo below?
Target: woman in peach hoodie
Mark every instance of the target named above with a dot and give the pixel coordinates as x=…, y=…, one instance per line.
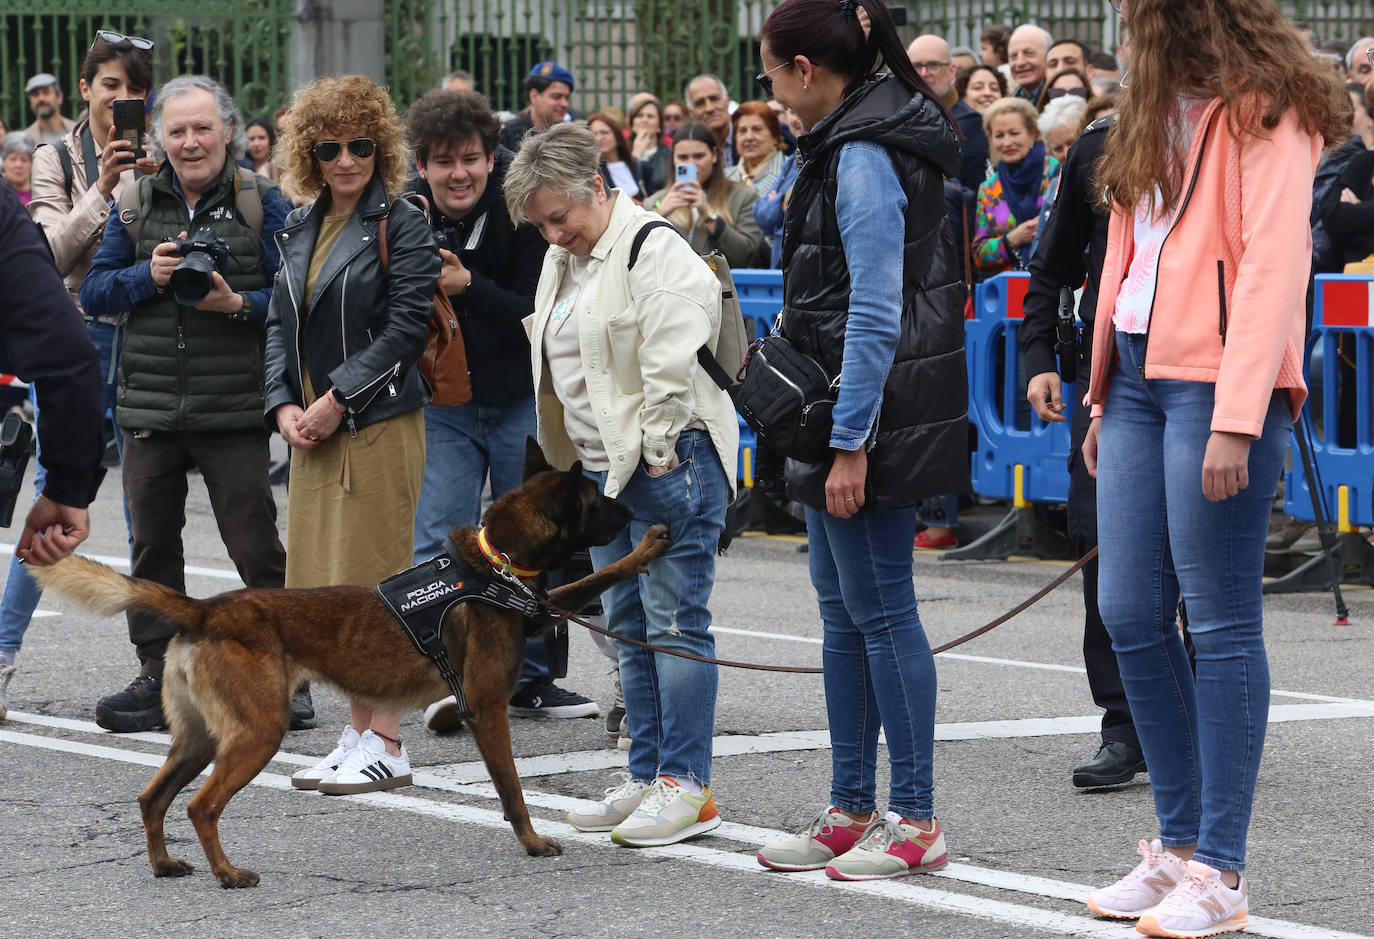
x=1193, y=395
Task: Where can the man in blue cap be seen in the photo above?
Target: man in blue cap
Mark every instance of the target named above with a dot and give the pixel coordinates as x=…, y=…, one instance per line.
x=549, y=88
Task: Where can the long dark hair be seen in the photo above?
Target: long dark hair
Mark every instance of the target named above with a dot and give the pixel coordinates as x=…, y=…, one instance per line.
x=138, y=63
x=828, y=33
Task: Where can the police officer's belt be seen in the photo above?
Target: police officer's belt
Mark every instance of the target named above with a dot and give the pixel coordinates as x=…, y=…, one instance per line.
x=421, y=597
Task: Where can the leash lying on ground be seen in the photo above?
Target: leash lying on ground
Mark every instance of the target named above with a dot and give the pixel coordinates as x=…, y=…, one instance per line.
x=1014, y=611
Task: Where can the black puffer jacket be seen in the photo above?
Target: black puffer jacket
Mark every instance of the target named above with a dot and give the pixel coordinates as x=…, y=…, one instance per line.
x=365, y=328
x=921, y=443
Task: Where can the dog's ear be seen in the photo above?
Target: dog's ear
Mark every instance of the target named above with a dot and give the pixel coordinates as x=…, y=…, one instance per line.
x=573, y=479
x=534, y=458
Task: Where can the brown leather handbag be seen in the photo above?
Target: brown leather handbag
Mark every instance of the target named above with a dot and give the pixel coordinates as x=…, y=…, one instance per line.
x=444, y=363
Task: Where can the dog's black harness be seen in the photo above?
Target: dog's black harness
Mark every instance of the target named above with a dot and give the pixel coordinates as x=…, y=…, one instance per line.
x=421, y=597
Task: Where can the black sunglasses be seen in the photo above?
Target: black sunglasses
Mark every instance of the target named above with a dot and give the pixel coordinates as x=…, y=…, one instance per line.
x=766, y=82
x=1061, y=92
x=114, y=38
x=361, y=147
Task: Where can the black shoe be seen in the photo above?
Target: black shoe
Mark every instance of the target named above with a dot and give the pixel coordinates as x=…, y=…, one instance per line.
x=617, y=712
x=137, y=707
x=302, y=710
x=1115, y=763
x=545, y=699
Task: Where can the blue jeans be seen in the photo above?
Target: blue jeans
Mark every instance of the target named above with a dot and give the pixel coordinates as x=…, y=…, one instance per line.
x=940, y=511
x=463, y=445
x=670, y=701
x=1159, y=537
x=879, y=671
x=21, y=594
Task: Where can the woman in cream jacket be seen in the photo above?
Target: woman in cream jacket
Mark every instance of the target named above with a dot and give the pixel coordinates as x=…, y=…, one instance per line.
x=618, y=389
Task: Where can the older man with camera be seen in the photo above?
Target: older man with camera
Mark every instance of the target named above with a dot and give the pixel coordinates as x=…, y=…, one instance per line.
x=190, y=252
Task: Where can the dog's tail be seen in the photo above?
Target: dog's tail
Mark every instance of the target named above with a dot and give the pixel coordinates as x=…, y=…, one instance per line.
x=105, y=591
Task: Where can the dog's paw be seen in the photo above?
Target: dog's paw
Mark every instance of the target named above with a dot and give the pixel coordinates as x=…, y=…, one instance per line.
x=173, y=867
x=238, y=877
x=544, y=847
x=656, y=540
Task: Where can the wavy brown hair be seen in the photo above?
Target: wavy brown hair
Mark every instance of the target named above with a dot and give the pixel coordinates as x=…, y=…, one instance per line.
x=326, y=108
x=1242, y=51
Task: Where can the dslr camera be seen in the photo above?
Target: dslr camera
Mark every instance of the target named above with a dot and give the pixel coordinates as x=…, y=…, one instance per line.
x=201, y=255
x=447, y=238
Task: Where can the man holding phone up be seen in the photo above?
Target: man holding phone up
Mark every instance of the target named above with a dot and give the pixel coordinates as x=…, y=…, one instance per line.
x=76, y=184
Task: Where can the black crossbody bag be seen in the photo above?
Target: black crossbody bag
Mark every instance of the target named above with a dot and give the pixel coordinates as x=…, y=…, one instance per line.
x=783, y=394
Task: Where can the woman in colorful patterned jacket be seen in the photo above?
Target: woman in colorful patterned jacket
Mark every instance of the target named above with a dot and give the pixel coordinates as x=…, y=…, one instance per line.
x=1009, y=200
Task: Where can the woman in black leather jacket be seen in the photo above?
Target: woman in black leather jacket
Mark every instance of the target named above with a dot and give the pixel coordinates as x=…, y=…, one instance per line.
x=343, y=335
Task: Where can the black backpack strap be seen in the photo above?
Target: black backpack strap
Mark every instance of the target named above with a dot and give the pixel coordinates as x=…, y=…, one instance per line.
x=718, y=375
x=67, y=171
x=642, y=234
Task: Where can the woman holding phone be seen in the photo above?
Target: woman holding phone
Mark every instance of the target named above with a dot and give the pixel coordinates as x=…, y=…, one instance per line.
x=707, y=209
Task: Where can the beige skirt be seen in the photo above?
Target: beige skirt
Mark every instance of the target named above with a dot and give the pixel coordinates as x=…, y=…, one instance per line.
x=351, y=504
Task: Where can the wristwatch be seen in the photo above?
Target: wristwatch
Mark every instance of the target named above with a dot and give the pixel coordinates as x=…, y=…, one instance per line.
x=243, y=312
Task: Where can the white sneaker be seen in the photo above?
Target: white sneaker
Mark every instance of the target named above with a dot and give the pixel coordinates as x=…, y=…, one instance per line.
x=368, y=768
x=1201, y=905
x=618, y=805
x=442, y=718
x=7, y=669
x=1140, y=890
x=310, y=778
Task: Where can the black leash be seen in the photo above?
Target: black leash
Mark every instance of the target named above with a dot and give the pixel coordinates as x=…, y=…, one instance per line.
x=797, y=670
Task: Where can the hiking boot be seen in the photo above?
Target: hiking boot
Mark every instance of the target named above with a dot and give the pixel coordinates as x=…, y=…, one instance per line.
x=369, y=768
x=830, y=834
x=545, y=699
x=1201, y=905
x=138, y=707
x=619, y=803
x=668, y=813
x=892, y=847
x=1152, y=880
x=302, y=710
x=311, y=778
x=617, y=712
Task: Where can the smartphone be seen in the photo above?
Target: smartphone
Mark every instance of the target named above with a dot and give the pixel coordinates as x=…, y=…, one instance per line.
x=686, y=172
x=130, y=125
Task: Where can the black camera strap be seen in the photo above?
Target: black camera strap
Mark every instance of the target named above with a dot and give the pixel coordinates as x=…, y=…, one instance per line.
x=420, y=598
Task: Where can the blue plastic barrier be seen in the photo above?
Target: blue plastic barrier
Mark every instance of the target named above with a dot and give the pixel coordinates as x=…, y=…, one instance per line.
x=1340, y=377
x=1019, y=457
x=760, y=299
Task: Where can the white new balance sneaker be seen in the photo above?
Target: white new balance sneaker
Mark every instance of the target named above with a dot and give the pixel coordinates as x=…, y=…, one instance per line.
x=1158, y=873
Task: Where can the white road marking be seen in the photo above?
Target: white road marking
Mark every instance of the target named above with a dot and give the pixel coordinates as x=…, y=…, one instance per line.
x=122, y=564
x=903, y=891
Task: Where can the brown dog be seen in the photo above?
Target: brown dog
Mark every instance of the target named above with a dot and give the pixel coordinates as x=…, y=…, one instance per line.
x=236, y=658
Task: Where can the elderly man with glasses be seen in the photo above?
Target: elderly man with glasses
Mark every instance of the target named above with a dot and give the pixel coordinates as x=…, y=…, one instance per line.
x=191, y=371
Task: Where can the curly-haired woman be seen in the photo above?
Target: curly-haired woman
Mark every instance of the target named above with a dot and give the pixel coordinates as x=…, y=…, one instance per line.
x=1193, y=394
x=344, y=332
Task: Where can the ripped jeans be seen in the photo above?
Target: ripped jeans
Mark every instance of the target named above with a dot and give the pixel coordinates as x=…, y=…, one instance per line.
x=670, y=701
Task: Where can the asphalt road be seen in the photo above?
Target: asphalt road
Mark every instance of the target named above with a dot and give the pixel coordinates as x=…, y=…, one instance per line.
x=1014, y=716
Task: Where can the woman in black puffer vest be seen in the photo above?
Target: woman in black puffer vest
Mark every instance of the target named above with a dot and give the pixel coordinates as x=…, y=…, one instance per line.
x=871, y=290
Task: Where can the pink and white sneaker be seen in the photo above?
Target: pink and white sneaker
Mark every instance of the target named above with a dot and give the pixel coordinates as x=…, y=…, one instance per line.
x=830, y=834
x=1143, y=888
x=1201, y=905
x=892, y=847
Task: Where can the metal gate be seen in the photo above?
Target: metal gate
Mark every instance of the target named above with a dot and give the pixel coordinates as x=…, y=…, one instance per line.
x=241, y=43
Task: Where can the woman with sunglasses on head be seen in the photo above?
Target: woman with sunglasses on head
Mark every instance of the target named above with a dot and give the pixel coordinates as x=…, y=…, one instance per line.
x=344, y=333
x=872, y=291
x=1209, y=174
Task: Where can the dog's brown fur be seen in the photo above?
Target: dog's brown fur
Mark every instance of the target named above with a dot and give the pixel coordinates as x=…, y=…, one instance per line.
x=230, y=670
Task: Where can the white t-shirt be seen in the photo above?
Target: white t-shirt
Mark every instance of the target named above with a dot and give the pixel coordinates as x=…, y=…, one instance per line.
x=1137, y=295
x=622, y=177
x=563, y=352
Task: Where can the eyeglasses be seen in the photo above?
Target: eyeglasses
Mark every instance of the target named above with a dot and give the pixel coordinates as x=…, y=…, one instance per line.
x=1115, y=5
x=1369, y=54
x=766, y=82
x=327, y=151
x=1061, y=92
x=929, y=66
x=113, y=38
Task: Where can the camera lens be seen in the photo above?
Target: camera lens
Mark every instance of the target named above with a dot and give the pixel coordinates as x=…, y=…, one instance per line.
x=191, y=279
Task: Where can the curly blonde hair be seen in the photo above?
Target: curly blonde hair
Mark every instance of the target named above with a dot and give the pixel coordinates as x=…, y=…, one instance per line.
x=326, y=107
